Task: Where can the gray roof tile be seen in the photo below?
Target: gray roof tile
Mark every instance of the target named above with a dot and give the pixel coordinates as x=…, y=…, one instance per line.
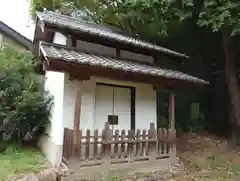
x=58, y=52
x=105, y=33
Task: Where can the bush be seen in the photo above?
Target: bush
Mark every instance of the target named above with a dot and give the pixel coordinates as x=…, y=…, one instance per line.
x=24, y=106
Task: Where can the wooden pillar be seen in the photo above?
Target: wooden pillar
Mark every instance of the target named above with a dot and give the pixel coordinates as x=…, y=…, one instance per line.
x=172, y=111
x=76, y=124
x=172, y=131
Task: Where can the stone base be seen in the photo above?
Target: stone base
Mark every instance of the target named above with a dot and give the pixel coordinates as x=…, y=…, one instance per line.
x=52, y=152
x=116, y=170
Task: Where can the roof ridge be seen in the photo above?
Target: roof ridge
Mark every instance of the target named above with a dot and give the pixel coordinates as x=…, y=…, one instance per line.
x=18, y=37
x=104, y=33
x=1, y=22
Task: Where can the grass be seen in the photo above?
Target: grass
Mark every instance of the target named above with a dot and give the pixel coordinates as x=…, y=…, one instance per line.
x=15, y=161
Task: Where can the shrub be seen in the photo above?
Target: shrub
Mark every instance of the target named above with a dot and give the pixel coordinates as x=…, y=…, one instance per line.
x=24, y=106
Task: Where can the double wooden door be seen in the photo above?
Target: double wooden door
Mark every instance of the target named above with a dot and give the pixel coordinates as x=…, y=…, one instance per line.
x=111, y=100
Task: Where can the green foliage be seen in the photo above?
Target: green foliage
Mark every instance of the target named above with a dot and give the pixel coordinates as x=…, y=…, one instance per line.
x=23, y=108
x=218, y=14
x=49, y=4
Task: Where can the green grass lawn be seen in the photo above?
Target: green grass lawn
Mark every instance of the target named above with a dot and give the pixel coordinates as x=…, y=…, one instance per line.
x=16, y=161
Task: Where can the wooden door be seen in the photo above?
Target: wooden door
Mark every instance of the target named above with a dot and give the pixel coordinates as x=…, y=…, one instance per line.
x=103, y=105
x=122, y=107
x=112, y=100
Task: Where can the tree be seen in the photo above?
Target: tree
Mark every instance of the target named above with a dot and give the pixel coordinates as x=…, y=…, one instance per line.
x=223, y=16
x=24, y=109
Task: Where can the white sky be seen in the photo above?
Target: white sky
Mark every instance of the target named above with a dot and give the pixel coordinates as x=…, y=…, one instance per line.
x=15, y=13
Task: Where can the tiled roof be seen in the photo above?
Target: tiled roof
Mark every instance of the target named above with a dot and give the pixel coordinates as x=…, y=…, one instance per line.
x=68, y=55
x=102, y=32
x=22, y=40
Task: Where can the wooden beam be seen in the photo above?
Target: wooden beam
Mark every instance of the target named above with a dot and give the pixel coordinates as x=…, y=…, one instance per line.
x=87, y=70
x=172, y=111
x=76, y=124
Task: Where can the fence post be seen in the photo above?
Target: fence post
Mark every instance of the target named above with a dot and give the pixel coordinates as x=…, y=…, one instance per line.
x=106, y=139
x=172, y=130
x=152, y=143
x=130, y=145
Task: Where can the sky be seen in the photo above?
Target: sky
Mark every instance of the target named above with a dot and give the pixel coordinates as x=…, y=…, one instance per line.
x=15, y=13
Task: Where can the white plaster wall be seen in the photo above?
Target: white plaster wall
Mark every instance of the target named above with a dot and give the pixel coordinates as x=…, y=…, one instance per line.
x=146, y=106
x=136, y=56
x=59, y=38
x=54, y=84
x=101, y=49
x=51, y=143
x=146, y=101
x=87, y=103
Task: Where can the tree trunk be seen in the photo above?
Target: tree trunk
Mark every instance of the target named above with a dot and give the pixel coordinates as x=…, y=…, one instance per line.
x=232, y=83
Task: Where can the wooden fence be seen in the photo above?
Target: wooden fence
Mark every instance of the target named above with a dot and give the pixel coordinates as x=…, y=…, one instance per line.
x=118, y=146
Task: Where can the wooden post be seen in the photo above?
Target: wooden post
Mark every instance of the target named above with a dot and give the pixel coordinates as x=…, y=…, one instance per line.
x=172, y=131
x=172, y=111
x=76, y=124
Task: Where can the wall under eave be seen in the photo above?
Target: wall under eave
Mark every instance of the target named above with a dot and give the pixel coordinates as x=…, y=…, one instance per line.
x=146, y=105
x=52, y=142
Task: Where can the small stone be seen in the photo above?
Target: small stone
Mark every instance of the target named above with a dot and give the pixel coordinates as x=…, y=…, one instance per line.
x=28, y=178
x=51, y=174
x=156, y=178
x=167, y=176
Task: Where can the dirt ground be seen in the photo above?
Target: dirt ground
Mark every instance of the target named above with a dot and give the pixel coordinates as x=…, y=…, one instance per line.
x=208, y=158
x=205, y=158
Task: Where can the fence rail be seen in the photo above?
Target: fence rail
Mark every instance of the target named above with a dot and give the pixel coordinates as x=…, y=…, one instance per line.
x=119, y=146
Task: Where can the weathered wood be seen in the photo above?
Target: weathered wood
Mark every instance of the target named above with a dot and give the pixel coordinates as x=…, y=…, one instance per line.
x=130, y=145
x=138, y=143
x=116, y=138
x=87, y=152
x=76, y=123
x=95, y=144
x=123, y=153
x=143, y=152
x=79, y=149
x=108, y=148
x=172, y=111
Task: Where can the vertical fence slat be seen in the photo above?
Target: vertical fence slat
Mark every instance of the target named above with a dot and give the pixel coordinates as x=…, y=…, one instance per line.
x=70, y=142
x=95, y=144
x=130, y=145
x=144, y=136
x=116, y=138
x=107, y=137
x=165, y=147
x=87, y=144
x=151, y=144
x=123, y=143
x=138, y=143
x=79, y=149
x=148, y=144
x=159, y=138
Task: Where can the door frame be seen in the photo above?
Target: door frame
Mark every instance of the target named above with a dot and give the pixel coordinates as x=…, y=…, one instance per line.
x=132, y=100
